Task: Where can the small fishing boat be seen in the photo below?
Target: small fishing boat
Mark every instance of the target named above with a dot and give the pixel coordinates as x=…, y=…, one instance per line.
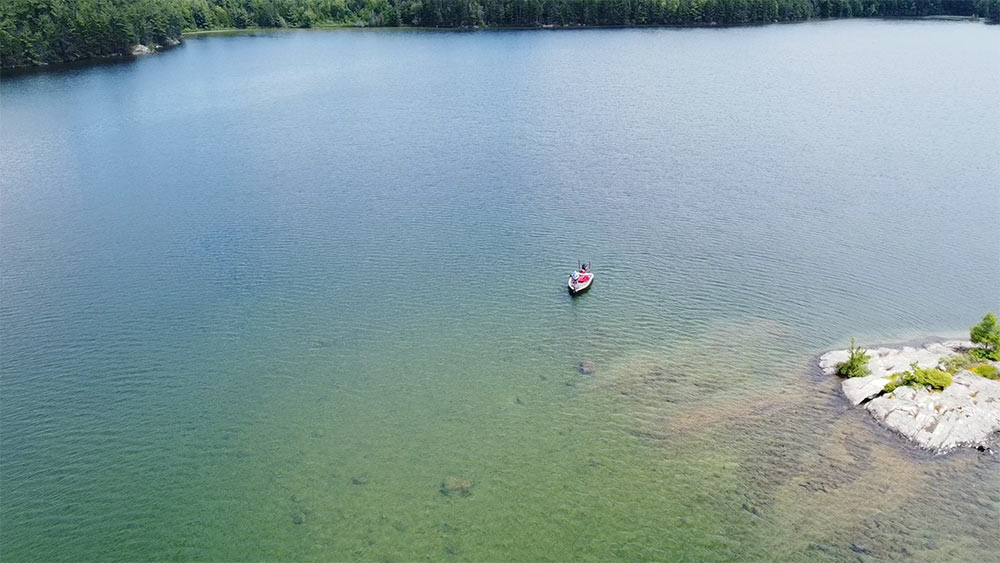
x=580, y=280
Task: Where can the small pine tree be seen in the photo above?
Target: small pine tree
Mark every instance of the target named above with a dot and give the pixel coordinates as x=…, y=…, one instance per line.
x=986, y=334
x=856, y=364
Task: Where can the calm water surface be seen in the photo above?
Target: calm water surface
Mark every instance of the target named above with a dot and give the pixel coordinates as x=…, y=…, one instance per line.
x=262, y=294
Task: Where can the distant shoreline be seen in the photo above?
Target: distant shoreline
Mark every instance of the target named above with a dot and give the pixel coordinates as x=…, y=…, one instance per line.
x=117, y=58
x=693, y=25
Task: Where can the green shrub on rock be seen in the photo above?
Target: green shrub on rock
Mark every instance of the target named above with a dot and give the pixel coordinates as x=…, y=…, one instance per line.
x=986, y=334
x=856, y=364
x=958, y=362
x=989, y=371
x=918, y=377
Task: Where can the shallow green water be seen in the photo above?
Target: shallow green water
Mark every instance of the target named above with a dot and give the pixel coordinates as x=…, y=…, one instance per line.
x=262, y=295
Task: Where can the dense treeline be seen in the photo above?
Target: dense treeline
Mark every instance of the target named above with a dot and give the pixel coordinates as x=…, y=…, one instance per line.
x=46, y=31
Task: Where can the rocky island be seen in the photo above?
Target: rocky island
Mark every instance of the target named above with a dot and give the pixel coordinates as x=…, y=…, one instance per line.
x=961, y=411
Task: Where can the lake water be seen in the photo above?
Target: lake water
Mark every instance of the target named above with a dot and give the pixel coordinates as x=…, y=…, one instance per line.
x=261, y=295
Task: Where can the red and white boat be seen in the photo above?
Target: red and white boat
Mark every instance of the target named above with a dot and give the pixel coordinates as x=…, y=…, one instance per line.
x=581, y=279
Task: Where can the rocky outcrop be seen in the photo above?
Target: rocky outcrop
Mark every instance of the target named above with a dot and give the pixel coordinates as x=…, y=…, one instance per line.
x=139, y=49
x=966, y=413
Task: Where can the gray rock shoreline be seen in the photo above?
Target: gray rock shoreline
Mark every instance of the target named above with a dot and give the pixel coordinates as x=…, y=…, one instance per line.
x=139, y=49
x=965, y=414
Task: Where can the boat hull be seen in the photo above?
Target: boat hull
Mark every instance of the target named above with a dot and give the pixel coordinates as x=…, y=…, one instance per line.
x=576, y=288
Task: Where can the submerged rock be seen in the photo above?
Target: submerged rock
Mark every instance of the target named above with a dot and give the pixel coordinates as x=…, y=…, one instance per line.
x=456, y=487
x=966, y=413
x=859, y=549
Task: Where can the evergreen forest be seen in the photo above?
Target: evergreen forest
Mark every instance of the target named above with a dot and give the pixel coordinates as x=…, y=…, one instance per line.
x=34, y=32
